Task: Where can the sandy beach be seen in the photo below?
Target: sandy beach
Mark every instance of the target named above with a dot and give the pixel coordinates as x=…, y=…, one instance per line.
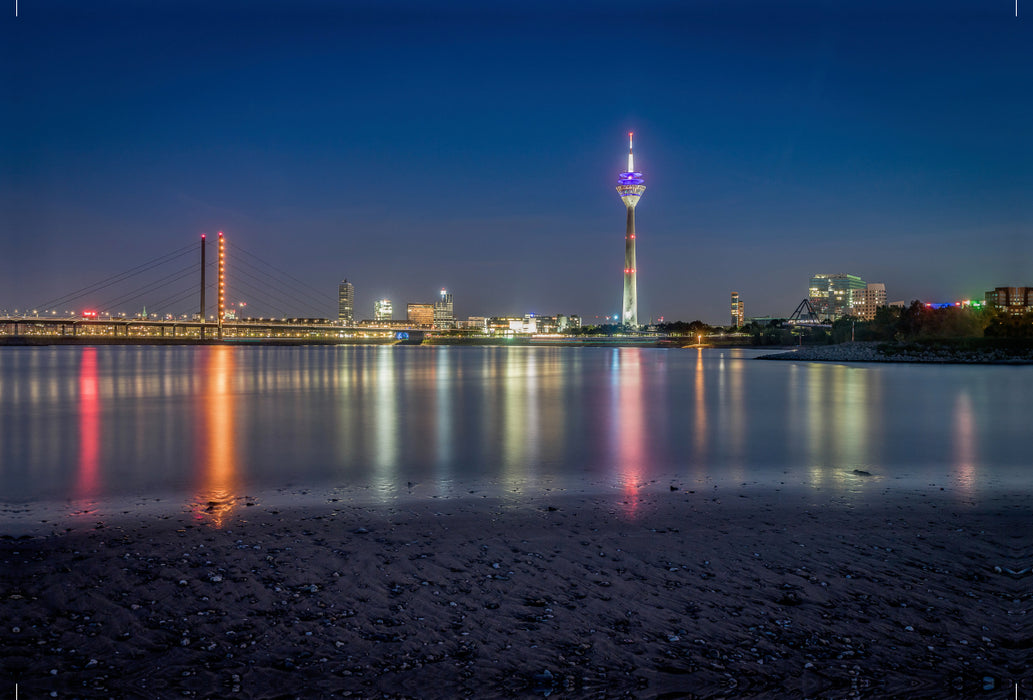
x=671, y=591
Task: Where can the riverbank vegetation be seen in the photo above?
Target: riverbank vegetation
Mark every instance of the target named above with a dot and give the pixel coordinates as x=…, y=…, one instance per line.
x=921, y=323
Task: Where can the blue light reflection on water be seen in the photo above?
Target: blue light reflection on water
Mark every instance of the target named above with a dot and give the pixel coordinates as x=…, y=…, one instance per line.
x=217, y=421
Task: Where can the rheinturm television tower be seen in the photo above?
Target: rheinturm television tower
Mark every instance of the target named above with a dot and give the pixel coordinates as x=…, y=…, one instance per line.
x=630, y=188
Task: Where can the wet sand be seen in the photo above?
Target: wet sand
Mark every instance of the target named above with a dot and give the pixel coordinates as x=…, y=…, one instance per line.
x=679, y=592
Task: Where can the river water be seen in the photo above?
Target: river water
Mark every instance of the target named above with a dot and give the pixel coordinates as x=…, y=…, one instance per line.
x=85, y=424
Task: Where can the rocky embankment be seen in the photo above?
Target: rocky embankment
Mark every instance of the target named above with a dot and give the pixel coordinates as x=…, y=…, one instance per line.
x=888, y=352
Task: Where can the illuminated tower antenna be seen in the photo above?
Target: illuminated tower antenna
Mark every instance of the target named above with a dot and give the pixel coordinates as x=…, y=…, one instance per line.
x=630, y=188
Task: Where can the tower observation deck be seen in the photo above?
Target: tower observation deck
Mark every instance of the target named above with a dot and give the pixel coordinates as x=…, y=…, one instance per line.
x=630, y=188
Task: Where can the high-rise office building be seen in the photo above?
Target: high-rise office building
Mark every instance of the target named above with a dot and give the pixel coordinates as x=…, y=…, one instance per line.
x=382, y=310
x=864, y=302
x=420, y=315
x=831, y=295
x=346, y=303
x=630, y=188
x=738, y=311
x=444, y=313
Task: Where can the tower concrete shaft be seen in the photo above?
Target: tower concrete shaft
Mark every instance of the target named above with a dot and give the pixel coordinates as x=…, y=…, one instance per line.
x=629, y=313
x=630, y=188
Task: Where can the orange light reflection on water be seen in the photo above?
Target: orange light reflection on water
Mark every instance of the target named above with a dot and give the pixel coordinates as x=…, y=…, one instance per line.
x=216, y=437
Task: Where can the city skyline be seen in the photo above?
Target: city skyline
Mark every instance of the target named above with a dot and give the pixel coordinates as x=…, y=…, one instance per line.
x=781, y=141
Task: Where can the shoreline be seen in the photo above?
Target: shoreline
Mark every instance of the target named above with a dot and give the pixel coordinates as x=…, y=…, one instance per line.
x=714, y=592
x=418, y=339
x=882, y=352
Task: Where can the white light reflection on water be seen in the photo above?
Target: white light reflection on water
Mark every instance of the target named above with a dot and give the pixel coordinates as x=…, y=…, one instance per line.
x=839, y=431
x=734, y=417
x=385, y=424
x=964, y=435
x=444, y=419
x=344, y=382
x=519, y=419
x=554, y=408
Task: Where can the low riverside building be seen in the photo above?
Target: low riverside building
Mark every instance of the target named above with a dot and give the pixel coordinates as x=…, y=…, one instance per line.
x=384, y=323
x=1014, y=300
x=864, y=302
x=532, y=324
x=420, y=315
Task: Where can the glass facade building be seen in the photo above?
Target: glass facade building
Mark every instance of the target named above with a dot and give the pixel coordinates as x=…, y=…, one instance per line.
x=382, y=310
x=832, y=295
x=738, y=310
x=346, y=303
x=444, y=311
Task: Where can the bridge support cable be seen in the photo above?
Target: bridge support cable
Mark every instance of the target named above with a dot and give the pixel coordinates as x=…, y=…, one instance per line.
x=115, y=279
x=180, y=296
x=273, y=285
x=169, y=303
x=299, y=287
x=278, y=287
x=171, y=278
x=262, y=297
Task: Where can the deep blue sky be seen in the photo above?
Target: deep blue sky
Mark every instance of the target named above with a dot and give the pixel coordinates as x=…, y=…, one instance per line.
x=476, y=146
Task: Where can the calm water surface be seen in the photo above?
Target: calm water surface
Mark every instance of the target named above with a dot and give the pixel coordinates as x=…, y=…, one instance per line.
x=218, y=422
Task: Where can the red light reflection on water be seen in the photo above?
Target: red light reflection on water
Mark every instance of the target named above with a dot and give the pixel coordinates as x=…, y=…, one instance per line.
x=89, y=426
x=628, y=425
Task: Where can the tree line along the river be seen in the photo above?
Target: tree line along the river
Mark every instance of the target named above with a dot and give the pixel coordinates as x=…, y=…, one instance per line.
x=916, y=322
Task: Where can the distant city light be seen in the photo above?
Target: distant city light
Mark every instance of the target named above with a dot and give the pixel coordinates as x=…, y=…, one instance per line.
x=967, y=303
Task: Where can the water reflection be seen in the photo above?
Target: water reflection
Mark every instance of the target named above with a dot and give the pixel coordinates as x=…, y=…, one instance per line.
x=215, y=409
x=517, y=412
x=88, y=483
x=699, y=412
x=965, y=443
x=443, y=414
x=386, y=432
x=213, y=423
x=733, y=415
x=841, y=429
x=627, y=424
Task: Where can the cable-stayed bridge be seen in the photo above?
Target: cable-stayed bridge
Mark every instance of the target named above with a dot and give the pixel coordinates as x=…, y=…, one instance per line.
x=187, y=295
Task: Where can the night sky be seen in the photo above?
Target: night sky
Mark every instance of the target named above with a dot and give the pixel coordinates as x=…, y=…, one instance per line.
x=414, y=146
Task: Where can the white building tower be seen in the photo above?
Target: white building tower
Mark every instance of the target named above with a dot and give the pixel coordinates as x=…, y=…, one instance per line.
x=630, y=188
